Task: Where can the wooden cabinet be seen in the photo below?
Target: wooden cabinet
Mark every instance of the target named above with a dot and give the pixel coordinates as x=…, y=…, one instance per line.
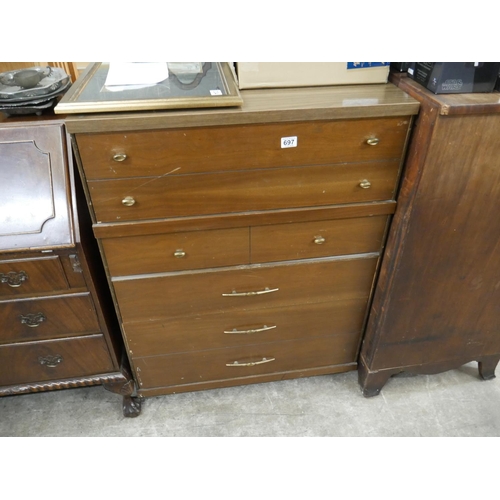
x=232, y=259
x=58, y=325
x=436, y=305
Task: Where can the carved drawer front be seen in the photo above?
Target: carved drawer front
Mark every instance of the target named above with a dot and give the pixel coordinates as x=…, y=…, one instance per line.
x=246, y=288
x=305, y=240
x=250, y=190
x=245, y=361
x=203, y=149
x=219, y=330
x=45, y=318
x=177, y=251
x=34, y=188
x=28, y=362
x=30, y=276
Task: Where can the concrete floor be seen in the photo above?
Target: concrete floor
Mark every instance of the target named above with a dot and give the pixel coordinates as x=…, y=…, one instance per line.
x=455, y=403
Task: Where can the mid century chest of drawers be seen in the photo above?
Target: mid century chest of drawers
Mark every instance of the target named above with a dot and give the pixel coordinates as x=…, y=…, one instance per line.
x=56, y=315
x=234, y=258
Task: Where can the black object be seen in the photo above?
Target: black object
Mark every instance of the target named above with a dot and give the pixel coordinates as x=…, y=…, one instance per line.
x=456, y=77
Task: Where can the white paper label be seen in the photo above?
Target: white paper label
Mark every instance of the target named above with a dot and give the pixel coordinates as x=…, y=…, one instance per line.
x=289, y=142
x=216, y=92
x=410, y=70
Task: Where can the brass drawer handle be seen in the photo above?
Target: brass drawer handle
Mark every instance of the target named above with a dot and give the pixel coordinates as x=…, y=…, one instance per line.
x=372, y=141
x=365, y=184
x=120, y=157
x=319, y=240
x=254, y=363
x=180, y=253
x=50, y=361
x=13, y=279
x=264, y=328
x=234, y=293
x=33, y=320
x=128, y=201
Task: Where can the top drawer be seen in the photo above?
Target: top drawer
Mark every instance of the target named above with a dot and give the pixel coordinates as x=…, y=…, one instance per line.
x=29, y=276
x=202, y=149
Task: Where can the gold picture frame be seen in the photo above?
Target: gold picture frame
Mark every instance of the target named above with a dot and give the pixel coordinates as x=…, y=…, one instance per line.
x=211, y=86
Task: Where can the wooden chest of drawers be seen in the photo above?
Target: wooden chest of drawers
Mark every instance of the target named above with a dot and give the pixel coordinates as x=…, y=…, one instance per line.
x=436, y=306
x=58, y=328
x=235, y=260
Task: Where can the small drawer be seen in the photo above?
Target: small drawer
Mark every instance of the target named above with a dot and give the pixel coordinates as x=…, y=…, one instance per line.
x=177, y=251
x=307, y=240
x=245, y=288
x=247, y=361
x=29, y=362
x=215, y=331
x=210, y=149
x=46, y=318
x=30, y=276
x=236, y=192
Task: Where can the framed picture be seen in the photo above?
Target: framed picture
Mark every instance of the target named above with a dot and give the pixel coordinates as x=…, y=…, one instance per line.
x=110, y=87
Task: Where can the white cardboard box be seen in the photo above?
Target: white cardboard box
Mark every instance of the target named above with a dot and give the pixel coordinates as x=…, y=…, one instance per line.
x=254, y=75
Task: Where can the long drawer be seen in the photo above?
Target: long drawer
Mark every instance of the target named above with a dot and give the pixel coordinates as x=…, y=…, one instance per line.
x=28, y=276
x=214, y=331
x=245, y=361
x=195, y=150
x=160, y=253
x=246, y=288
x=45, y=318
x=28, y=362
x=249, y=190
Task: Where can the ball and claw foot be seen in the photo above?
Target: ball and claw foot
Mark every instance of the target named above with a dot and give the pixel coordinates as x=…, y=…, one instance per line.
x=131, y=406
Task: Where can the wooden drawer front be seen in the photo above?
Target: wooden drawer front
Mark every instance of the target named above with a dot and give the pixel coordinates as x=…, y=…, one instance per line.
x=271, y=189
x=53, y=360
x=177, y=251
x=28, y=276
x=195, y=150
x=210, y=365
x=269, y=286
x=214, y=331
x=307, y=240
x=37, y=319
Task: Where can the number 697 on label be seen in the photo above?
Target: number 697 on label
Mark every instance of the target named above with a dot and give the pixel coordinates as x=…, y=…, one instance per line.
x=289, y=142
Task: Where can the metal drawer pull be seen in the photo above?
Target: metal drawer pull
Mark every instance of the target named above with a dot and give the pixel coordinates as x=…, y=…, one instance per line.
x=365, y=184
x=33, y=320
x=372, y=141
x=249, y=294
x=265, y=328
x=120, y=157
x=264, y=360
x=13, y=279
x=128, y=201
x=179, y=253
x=319, y=240
x=50, y=361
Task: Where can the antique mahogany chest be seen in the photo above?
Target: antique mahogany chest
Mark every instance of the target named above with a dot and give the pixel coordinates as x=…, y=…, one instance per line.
x=241, y=245
x=437, y=302
x=58, y=328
